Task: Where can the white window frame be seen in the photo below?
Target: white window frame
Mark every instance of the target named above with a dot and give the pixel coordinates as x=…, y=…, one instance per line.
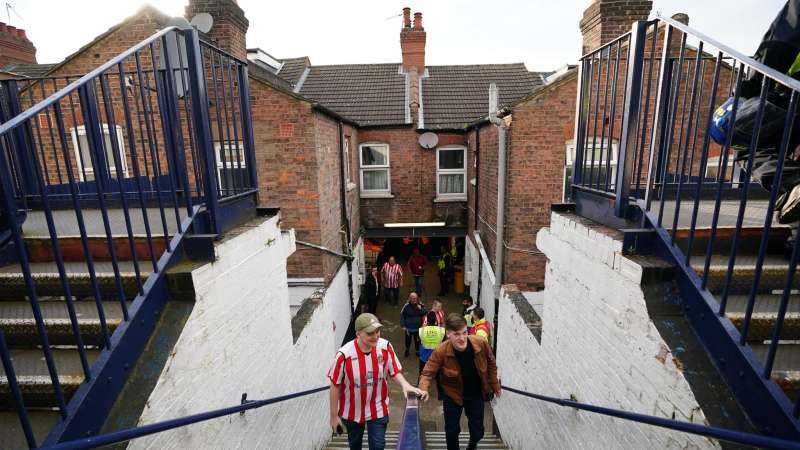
x=230, y=147
x=568, y=162
x=80, y=130
x=462, y=171
x=374, y=168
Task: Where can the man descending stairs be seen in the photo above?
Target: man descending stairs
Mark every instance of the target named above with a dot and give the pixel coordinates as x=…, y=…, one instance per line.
x=433, y=440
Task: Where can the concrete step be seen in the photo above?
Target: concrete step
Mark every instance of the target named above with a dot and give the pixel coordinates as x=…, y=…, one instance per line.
x=433, y=440
x=34, y=379
x=19, y=326
x=749, y=240
x=765, y=313
x=773, y=274
x=48, y=283
x=786, y=370
x=40, y=248
x=11, y=436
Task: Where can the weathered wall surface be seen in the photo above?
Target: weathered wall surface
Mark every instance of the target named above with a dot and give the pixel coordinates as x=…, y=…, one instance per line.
x=231, y=345
x=598, y=344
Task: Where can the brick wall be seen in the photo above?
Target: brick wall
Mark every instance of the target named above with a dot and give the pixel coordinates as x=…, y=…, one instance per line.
x=413, y=181
x=230, y=24
x=604, y=20
x=486, y=146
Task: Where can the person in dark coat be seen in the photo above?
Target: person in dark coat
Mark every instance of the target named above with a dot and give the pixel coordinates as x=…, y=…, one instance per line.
x=372, y=287
x=411, y=320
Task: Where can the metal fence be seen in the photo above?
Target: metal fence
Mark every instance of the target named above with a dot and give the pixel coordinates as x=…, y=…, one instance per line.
x=142, y=150
x=646, y=156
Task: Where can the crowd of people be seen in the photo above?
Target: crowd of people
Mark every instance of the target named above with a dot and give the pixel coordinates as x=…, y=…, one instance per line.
x=454, y=352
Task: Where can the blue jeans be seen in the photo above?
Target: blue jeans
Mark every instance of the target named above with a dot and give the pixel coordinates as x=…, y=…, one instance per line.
x=418, y=279
x=376, y=433
x=452, y=418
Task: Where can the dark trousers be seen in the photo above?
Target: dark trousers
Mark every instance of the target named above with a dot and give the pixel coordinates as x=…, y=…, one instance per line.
x=412, y=335
x=765, y=165
x=442, y=282
x=372, y=303
x=418, y=284
x=376, y=433
x=392, y=295
x=473, y=407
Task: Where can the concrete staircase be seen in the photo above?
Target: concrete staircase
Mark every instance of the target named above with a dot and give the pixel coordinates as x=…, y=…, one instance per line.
x=18, y=324
x=786, y=371
x=433, y=440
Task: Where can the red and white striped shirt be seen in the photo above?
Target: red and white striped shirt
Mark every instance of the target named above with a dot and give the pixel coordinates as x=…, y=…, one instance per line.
x=439, y=319
x=393, y=274
x=362, y=380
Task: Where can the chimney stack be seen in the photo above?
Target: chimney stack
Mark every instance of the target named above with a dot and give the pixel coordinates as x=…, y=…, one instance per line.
x=412, y=42
x=15, y=47
x=605, y=20
x=230, y=25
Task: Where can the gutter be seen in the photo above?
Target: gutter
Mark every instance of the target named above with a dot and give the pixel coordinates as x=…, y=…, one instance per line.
x=499, y=249
x=346, y=221
x=325, y=249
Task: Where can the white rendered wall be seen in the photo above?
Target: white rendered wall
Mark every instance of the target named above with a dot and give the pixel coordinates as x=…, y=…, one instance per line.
x=598, y=345
x=358, y=270
x=238, y=339
x=337, y=297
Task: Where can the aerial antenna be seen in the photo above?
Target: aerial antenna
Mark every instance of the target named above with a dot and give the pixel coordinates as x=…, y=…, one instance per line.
x=9, y=9
x=392, y=17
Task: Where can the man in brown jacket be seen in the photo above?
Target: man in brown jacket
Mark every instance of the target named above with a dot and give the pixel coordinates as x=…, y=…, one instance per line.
x=468, y=374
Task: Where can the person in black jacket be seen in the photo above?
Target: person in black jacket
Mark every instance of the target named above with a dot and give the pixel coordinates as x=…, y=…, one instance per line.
x=372, y=287
x=411, y=320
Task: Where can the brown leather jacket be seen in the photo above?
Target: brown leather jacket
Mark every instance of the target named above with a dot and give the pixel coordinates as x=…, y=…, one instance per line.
x=443, y=362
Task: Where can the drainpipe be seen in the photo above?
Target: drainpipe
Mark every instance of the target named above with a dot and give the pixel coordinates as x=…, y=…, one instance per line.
x=346, y=220
x=499, y=248
x=477, y=171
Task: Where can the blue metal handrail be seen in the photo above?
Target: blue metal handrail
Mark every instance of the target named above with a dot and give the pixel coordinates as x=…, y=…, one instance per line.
x=737, y=437
x=669, y=80
x=146, y=111
x=410, y=437
x=145, y=430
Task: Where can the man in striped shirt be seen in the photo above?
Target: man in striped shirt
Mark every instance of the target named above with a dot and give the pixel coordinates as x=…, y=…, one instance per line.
x=359, y=384
x=392, y=280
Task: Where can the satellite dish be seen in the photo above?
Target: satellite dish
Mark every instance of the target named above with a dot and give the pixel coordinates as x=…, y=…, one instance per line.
x=203, y=22
x=428, y=140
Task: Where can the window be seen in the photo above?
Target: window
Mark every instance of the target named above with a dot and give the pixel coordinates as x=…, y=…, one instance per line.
x=231, y=166
x=596, y=167
x=375, y=173
x=451, y=173
x=83, y=154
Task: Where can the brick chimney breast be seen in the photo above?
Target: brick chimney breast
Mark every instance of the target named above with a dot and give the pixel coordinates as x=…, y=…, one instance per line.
x=412, y=45
x=605, y=20
x=230, y=24
x=15, y=47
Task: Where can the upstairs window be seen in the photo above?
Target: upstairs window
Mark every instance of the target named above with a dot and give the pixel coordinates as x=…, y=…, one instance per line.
x=231, y=166
x=83, y=153
x=375, y=172
x=597, y=168
x=451, y=173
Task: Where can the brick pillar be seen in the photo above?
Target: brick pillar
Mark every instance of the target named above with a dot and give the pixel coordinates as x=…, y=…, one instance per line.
x=605, y=20
x=15, y=46
x=412, y=45
x=230, y=24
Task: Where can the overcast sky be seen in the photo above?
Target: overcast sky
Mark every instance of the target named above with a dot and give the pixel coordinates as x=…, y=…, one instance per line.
x=541, y=33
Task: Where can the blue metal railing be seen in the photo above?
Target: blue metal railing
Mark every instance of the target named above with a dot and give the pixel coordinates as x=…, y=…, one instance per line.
x=644, y=112
x=733, y=436
x=410, y=437
x=149, y=146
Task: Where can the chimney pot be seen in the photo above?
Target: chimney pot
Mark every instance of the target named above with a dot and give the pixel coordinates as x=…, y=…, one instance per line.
x=406, y=17
x=3, y=27
x=11, y=29
x=21, y=33
x=418, y=21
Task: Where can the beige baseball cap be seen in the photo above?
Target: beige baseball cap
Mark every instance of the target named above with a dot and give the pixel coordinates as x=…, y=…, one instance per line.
x=367, y=322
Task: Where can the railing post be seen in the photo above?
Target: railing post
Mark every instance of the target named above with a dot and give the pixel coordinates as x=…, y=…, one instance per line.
x=22, y=149
x=630, y=117
x=202, y=130
x=94, y=135
x=581, y=116
x=247, y=128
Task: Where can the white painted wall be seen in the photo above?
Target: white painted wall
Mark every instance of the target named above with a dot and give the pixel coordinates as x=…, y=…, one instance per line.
x=475, y=256
x=232, y=343
x=358, y=270
x=337, y=297
x=472, y=259
x=598, y=345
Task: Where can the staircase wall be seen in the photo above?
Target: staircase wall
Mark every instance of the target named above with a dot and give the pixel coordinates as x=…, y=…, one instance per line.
x=598, y=345
x=238, y=339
